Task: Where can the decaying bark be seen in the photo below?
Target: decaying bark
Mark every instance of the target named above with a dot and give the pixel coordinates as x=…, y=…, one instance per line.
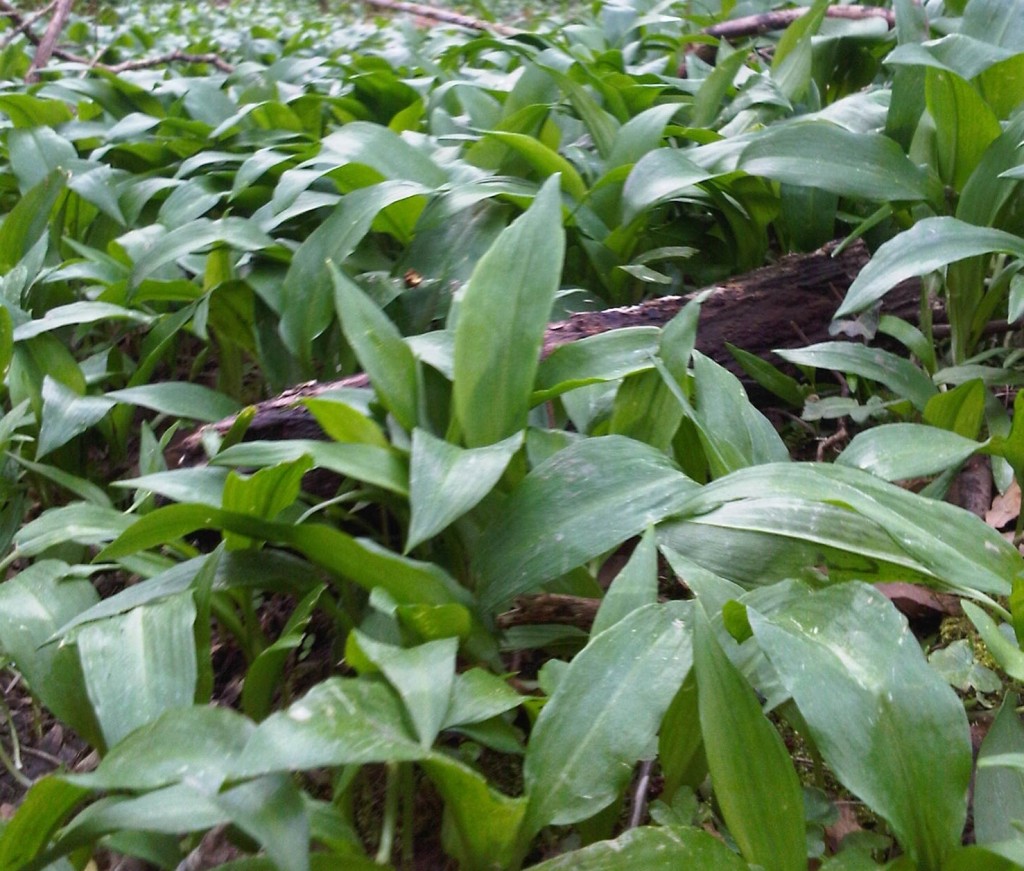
x=788, y=304
x=44, y=50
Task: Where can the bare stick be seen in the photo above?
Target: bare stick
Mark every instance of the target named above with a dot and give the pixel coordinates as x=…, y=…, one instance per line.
x=766, y=22
x=23, y=24
x=213, y=59
x=445, y=15
x=49, y=40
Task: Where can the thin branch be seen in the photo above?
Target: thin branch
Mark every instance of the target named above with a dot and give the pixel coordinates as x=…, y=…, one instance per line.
x=49, y=41
x=445, y=15
x=213, y=59
x=766, y=22
x=22, y=24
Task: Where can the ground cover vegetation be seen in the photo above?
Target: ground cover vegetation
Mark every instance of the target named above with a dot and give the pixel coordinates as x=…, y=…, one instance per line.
x=338, y=193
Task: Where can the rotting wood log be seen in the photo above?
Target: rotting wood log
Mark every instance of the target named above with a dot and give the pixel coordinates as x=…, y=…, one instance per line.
x=787, y=304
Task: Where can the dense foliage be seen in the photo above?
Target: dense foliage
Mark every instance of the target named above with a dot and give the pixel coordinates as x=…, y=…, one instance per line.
x=180, y=240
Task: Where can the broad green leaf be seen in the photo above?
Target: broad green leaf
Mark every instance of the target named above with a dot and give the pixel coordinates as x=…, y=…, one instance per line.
x=886, y=523
x=501, y=320
x=423, y=676
x=271, y=811
x=634, y=586
x=662, y=175
x=140, y=664
x=998, y=22
x=339, y=722
x=898, y=451
x=78, y=522
x=378, y=466
x=999, y=792
x=821, y=155
x=768, y=376
x=76, y=314
x=604, y=714
x=645, y=409
x=899, y=375
x=926, y=247
x=478, y=695
x=604, y=357
x=67, y=414
x=237, y=233
x=34, y=604
x=307, y=304
x=25, y=224
x=1006, y=653
x=204, y=485
x=965, y=125
x=43, y=808
x=360, y=560
x=887, y=724
x=264, y=675
x=960, y=410
x=541, y=534
x=179, y=399
x=734, y=433
x=377, y=343
x=344, y=423
x=545, y=161
x=752, y=775
x=661, y=848
x=392, y=155
x=198, y=744
x=486, y=823
x=264, y=494
x=446, y=481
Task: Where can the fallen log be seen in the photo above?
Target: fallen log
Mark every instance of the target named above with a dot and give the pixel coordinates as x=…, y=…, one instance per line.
x=787, y=304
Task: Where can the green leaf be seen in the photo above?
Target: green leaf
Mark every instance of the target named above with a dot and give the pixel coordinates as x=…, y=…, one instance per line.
x=45, y=806
x=446, y=481
x=899, y=375
x=662, y=848
x=377, y=343
x=960, y=410
x=264, y=494
x=887, y=724
x=33, y=606
x=478, y=695
x=964, y=125
x=541, y=534
x=821, y=155
x=662, y=175
x=830, y=513
x=733, y=433
x=344, y=423
x=751, y=772
x=198, y=744
x=1006, y=653
x=999, y=792
x=634, y=586
x=423, y=676
x=501, y=319
x=604, y=714
x=140, y=664
x=264, y=675
x=26, y=223
x=77, y=314
x=929, y=245
x=545, y=161
x=898, y=451
x=378, y=466
x=338, y=722
x=237, y=233
x=271, y=810
x=178, y=399
x=604, y=357
x=307, y=305
x=66, y=414
x=485, y=822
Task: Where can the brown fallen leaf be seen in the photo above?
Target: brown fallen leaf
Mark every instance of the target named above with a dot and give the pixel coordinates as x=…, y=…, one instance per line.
x=1005, y=508
x=917, y=602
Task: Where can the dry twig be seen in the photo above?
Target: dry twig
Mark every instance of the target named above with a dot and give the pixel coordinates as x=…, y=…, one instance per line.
x=445, y=15
x=49, y=41
x=22, y=25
